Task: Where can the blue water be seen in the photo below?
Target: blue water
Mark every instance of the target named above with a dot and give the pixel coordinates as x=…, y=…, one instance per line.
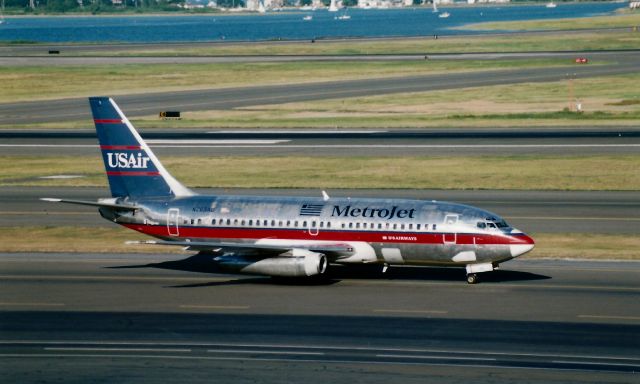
x=286, y=26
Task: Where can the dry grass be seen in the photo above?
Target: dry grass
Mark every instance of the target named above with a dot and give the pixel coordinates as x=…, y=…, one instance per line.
x=586, y=246
x=75, y=239
x=27, y=83
x=480, y=172
x=624, y=20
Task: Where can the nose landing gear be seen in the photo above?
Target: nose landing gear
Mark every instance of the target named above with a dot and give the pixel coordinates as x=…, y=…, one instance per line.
x=474, y=269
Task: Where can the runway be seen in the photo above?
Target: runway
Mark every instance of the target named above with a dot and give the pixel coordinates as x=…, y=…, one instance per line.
x=266, y=142
x=150, y=317
x=530, y=211
x=74, y=109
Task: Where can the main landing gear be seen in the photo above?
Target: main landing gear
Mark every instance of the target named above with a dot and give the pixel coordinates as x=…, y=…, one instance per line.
x=472, y=278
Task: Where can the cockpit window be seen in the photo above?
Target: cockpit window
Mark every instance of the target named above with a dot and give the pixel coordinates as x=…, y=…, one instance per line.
x=492, y=222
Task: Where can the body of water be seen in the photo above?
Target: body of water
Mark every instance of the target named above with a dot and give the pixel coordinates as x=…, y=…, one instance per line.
x=281, y=25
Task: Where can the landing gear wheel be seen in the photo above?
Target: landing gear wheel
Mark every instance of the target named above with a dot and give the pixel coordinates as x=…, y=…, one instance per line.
x=472, y=278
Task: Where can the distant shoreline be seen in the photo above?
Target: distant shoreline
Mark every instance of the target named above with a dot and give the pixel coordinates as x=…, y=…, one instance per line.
x=244, y=11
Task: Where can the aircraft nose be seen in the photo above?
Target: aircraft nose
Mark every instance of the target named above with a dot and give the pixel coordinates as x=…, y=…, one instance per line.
x=521, y=243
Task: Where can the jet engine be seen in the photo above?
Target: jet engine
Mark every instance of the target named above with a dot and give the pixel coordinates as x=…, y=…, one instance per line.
x=297, y=263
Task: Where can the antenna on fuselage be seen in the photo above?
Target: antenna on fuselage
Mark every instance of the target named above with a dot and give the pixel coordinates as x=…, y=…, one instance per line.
x=325, y=196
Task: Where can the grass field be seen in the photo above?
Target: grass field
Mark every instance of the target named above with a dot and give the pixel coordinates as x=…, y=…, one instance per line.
x=25, y=83
x=112, y=240
x=609, y=100
x=622, y=20
x=483, y=172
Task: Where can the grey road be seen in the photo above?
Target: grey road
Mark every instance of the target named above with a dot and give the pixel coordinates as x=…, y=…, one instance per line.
x=531, y=211
x=264, y=142
x=74, y=109
x=151, y=318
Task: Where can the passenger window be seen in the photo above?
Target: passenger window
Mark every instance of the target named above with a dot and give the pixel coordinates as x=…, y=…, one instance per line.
x=328, y=224
x=350, y=225
x=273, y=223
x=296, y=224
x=395, y=226
x=342, y=225
x=322, y=224
x=288, y=223
x=401, y=226
x=410, y=226
x=434, y=227
x=482, y=225
x=304, y=224
x=213, y=222
x=417, y=227
x=280, y=223
x=242, y=223
x=235, y=221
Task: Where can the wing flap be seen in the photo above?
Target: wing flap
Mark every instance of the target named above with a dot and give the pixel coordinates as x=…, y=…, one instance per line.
x=222, y=246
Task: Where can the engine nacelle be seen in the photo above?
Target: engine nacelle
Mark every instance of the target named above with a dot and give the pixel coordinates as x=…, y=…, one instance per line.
x=298, y=263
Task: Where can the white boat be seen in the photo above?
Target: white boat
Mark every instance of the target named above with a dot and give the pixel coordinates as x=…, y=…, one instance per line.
x=551, y=4
x=333, y=7
x=307, y=18
x=435, y=6
x=444, y=15
x=344, y=16
x=261, y=7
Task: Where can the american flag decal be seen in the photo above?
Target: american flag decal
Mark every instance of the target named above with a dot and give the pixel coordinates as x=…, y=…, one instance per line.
x=311, y=209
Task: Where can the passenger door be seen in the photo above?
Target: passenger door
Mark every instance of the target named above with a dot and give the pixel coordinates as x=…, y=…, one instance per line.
x=450, y=235
x=173, y=216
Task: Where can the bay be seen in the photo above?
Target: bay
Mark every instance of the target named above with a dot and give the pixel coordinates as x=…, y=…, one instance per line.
x=289, y=25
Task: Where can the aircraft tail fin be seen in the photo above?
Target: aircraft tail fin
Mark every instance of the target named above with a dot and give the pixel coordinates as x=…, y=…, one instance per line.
x=132, y=168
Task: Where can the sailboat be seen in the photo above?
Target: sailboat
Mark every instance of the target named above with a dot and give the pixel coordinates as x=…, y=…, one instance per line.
x=444, y=15
x=344, y=16
x=261, y=8
x=551, y=4
x=333, y=7
x=435, y=6
x=2, y=13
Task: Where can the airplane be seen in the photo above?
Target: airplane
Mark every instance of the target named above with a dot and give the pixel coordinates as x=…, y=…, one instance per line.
x=282, y=236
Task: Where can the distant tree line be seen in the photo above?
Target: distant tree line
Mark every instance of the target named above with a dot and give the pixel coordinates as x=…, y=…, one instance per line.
x=90, y=5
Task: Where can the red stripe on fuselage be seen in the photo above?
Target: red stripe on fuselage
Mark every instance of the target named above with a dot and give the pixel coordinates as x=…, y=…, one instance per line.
x=132, y=173
x=107, y=121
x=419, y=238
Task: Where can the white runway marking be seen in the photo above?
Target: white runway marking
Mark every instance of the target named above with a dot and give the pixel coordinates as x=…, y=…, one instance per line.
x=268, y=144
x=77, y=349
x=256, y=352
x=216, y=142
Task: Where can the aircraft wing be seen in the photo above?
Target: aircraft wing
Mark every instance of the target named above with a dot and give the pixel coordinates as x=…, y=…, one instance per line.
x=336, y=249
x=100, y=204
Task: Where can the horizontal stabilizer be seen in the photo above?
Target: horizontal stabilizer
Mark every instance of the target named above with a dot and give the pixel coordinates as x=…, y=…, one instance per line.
x=122, y=207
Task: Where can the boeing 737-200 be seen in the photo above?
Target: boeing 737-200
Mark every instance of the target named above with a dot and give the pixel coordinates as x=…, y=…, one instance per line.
x=289, y=236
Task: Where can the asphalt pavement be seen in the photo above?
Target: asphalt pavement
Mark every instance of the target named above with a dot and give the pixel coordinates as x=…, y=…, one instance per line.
x=115, y=318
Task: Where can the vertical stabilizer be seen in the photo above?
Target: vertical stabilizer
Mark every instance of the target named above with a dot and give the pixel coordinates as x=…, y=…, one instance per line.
x=132, y=168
